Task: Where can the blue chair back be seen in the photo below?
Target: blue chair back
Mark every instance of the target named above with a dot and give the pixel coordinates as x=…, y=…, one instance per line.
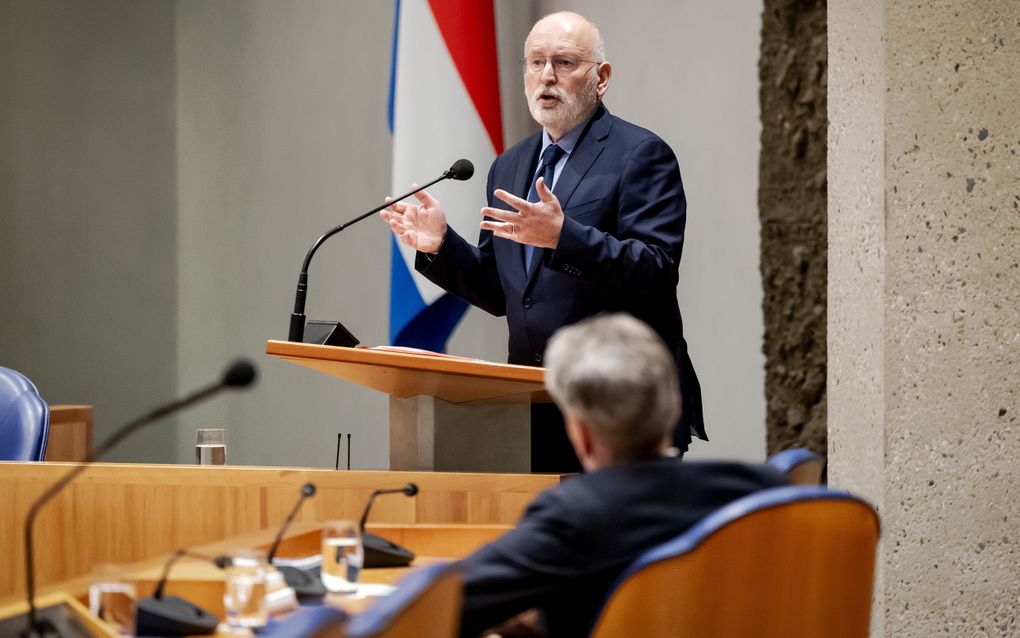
x=800, y=465
x=426, y=604
x=307, y=622
x=24, y=419
x=788, y=561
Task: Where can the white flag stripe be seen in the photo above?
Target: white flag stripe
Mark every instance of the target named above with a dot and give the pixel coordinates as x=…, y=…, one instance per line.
x=434, y=124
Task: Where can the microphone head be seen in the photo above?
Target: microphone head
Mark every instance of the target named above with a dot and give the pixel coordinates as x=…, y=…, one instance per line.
x=308, y=489
x=461, y=170
x=223, y=562
x=240, y=374
x=410, y=489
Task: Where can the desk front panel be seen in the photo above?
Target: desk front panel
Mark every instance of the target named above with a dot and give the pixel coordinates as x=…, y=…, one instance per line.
x=120, y=513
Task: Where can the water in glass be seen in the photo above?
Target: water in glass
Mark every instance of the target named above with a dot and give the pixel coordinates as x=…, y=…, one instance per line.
x=341, y=563
x=211, y=454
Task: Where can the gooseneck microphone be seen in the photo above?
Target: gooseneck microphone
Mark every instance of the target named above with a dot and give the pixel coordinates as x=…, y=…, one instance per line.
x=461, y=170
x=160, y=615
x=304, y=583
x=240, y=374
x=408, y=490
x=307, y=491
x=380, y=552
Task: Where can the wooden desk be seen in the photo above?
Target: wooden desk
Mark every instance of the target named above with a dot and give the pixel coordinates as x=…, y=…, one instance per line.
x=124, y=513
x=202, y=583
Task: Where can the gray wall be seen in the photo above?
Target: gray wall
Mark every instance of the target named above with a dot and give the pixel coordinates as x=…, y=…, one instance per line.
x=88, y=243
x=279, y=115
x=689, y=71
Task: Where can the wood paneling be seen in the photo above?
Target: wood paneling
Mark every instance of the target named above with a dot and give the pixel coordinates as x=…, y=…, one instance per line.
x=70, y=437
x=122, y=513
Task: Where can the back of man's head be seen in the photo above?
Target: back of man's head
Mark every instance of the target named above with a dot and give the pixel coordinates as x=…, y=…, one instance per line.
x=616, y=375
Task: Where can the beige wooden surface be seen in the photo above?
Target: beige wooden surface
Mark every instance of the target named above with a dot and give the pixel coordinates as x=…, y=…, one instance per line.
x=404, y=375
x=202, y=583
x=803, y=569
x=70, y=437
x=123, y=513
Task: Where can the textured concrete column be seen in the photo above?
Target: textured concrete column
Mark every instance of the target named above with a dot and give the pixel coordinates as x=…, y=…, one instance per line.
x=924, y=302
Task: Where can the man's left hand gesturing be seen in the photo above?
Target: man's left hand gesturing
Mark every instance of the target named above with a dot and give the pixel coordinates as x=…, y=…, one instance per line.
x=535, y=223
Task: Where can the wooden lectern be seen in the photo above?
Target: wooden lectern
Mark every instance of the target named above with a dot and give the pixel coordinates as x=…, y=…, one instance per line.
x=447, y=413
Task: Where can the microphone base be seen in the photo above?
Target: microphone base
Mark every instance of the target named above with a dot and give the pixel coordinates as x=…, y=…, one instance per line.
x=380, y=552
x=57, y=621
x=305, y=583
x=173, y=616
x=329, y=333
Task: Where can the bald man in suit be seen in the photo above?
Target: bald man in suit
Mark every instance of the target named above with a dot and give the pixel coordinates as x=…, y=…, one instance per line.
x=586, y=216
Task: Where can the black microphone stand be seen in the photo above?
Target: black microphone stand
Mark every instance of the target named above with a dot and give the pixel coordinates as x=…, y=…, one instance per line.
x=160, y=615
x=379, y=552
x=234, y=377
x=297, y=318
x=304, y=583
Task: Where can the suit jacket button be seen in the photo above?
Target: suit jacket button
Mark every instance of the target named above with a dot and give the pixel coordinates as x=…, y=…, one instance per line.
x=538, y=357
x=528, y=302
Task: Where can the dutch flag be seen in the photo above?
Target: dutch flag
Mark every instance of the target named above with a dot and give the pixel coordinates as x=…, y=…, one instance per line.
x=444, y=105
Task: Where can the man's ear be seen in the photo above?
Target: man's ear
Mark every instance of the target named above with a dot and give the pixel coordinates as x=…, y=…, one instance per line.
x=580, y=437
x=605, y=71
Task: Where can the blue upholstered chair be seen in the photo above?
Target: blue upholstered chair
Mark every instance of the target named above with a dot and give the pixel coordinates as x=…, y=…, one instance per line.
x=789, y=561
x=426, y=604
x=308, y=622
x=799, y=464
x=24, y=419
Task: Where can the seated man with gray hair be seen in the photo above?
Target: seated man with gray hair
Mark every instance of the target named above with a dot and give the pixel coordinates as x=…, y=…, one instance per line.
x=616, y=384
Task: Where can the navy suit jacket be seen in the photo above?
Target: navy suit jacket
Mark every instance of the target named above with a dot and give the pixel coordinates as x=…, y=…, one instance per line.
x=619, y=249
x=576, y=538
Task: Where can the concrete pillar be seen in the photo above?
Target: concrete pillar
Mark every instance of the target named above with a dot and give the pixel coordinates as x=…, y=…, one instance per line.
x=924, y=303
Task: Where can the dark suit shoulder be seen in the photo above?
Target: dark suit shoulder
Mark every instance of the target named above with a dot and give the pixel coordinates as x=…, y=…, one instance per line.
x=633, y=132
x=688, y=483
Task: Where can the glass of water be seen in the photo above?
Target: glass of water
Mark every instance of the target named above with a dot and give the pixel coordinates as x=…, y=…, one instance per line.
x=342, y=556
x=211, y=447
x=112, y=598
x=244, y=594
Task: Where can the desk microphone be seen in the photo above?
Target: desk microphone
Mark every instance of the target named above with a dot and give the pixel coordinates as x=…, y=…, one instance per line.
x=172, y=616
x=304, y=583
x=380, y=552
x=240, y=374
x=332, y=332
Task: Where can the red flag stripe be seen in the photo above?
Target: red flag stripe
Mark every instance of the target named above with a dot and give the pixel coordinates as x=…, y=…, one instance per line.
x=469, y=31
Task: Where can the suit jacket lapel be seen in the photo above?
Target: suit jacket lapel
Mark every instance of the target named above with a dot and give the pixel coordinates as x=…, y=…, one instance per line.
x=588, y=148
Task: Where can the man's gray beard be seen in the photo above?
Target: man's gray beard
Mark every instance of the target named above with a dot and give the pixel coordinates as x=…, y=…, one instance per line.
x=572, y=110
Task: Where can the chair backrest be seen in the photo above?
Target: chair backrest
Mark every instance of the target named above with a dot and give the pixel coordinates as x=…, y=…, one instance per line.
x=24, y=419
x=800, y=465
x=426, y=604
x=307, y=622
x=789, y=561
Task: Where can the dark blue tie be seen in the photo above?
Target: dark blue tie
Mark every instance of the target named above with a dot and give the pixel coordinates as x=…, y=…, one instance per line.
x=547, y=169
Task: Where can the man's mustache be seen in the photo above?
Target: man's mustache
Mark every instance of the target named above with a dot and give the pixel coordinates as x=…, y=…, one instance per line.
x=547, y=92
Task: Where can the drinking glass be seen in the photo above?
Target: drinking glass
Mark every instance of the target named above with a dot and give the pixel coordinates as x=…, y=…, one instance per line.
x=112, y=599
x=342, y=556
x=211, y=447
x=244, y=594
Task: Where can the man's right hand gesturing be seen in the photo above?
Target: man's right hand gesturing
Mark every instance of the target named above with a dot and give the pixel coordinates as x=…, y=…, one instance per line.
x=420, y=227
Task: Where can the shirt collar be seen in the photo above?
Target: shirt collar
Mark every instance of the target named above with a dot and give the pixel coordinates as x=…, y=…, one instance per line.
x=567, y=142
